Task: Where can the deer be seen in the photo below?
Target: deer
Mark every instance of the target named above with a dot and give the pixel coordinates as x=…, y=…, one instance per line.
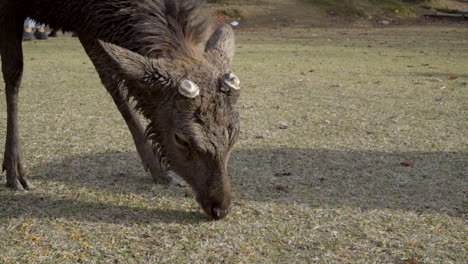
x=161, y=59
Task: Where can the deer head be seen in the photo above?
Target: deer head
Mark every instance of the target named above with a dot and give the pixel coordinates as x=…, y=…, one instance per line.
x=190, y=103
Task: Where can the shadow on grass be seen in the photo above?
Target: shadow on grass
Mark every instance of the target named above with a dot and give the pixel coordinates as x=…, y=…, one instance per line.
x=28, y=204
x=316, y=178
x=361, y=179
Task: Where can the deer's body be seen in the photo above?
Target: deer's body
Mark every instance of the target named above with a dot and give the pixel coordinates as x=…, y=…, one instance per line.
x=148, y=50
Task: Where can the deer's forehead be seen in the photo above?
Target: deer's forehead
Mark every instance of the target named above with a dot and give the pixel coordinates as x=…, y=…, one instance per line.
x=201, y=72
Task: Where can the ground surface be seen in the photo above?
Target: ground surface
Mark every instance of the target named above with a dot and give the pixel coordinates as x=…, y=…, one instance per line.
x=327, y=117
x=330, y=13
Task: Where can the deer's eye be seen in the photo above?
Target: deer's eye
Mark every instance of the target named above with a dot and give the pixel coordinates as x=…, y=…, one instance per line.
x=181, y=141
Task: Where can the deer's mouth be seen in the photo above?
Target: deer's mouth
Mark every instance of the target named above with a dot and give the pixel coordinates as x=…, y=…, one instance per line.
x=215, y=208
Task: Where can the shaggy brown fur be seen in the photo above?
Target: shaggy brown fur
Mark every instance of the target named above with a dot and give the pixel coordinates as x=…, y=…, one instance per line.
x=143, y=50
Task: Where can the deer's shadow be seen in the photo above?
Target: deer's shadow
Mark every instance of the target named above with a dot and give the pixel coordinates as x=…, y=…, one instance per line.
x=316, y=178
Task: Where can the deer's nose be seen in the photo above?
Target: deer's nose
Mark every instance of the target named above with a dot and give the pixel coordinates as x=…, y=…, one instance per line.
x=218, y=213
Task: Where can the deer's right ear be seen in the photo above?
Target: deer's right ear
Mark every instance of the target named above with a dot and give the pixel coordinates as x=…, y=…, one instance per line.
x=221, y=45
x=133, y=65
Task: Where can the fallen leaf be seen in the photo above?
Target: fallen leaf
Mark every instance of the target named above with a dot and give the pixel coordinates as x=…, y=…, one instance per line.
x=411, y=261
x=36, y=238
x=395, y=119
x=337, y=85
x=282, y=174
x=280, y=187
x=283, y=125
x=408, y=163
x=453, y=78
x=434, y=80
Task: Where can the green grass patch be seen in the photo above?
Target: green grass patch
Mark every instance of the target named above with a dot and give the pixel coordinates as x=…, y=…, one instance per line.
x=394, y=7
x=347, y=8
x=363, y=9
x=231, y=12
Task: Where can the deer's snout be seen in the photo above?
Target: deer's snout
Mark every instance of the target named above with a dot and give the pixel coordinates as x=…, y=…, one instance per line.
x=219, y=213
x=217, y=208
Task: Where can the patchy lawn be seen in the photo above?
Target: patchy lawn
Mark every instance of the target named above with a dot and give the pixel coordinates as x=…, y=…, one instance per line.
x=329, y=115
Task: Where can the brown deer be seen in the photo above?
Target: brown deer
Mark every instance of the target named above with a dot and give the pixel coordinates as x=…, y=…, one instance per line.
x=148, y=51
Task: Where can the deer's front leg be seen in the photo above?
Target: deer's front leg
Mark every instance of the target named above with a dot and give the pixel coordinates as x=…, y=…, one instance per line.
x=149, y=158
x=12, y=67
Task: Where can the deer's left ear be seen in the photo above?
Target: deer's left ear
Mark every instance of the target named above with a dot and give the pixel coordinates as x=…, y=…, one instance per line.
x=134, y=66
x=221, y=44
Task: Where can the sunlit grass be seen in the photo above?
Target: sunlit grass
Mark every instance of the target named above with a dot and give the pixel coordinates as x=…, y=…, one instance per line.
x=327, y=118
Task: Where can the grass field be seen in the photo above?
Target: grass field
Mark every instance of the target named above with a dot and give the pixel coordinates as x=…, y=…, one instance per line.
x=328, y=115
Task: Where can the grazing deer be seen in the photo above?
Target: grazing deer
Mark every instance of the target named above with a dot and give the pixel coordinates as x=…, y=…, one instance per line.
x=148, y=51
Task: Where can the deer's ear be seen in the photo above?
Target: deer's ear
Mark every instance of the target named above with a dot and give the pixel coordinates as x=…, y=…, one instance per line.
x=221, y=44
x=131, y=64
x=135, y=67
